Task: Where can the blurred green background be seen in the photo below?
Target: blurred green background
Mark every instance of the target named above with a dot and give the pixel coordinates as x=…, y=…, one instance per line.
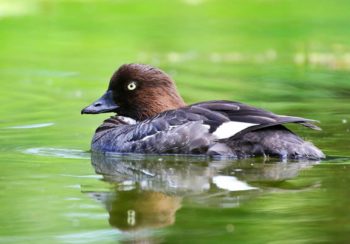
x=278, y=55
x=290, y=57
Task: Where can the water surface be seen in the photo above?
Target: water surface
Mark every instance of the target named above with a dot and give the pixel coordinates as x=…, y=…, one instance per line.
x=57, y=56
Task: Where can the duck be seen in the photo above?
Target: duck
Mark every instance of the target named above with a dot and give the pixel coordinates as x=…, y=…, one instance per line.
x=152, y=118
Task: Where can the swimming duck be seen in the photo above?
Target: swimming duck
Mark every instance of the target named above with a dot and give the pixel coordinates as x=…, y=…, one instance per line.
x=152, y=118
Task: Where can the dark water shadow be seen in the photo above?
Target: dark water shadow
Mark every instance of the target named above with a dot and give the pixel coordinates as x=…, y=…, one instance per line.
x=146, y=191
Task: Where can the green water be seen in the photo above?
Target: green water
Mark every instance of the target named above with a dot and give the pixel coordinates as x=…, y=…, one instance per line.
x=56, y=57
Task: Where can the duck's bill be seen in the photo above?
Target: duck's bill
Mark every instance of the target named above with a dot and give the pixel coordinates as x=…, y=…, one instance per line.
x=104, y=104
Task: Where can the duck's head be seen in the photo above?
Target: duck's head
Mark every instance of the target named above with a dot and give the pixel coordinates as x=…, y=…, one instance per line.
x=137, y=91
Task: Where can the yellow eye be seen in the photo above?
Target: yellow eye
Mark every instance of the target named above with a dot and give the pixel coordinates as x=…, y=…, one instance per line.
x=132, y=86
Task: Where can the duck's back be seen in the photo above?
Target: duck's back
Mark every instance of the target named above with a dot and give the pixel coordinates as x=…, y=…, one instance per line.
x=215, y=128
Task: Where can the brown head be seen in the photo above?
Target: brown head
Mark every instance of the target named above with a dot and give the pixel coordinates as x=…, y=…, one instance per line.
x=137, y=91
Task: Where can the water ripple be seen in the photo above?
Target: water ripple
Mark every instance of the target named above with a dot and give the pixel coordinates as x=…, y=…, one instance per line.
x=31, y=126
x=58, y=152
x=89, y=236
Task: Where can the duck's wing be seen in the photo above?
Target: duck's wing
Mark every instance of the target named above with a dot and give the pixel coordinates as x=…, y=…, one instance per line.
x=225, y=119
x=232, y=119
x=168, y=132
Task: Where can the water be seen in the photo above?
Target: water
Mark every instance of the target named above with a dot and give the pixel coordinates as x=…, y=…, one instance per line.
x=56, y=57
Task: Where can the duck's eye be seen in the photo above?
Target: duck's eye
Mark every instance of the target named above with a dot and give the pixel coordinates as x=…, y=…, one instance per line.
x=132, y=86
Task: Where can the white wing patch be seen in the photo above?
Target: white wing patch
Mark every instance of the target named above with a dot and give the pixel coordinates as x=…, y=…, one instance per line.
x=231, y=128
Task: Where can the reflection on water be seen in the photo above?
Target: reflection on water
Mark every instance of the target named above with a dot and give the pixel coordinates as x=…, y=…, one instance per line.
x=147, y=191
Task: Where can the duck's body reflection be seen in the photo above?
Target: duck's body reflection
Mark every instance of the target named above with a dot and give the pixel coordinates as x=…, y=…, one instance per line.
x=147, y=191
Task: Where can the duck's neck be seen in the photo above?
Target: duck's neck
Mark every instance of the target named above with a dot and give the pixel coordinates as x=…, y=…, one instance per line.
x=157, y=102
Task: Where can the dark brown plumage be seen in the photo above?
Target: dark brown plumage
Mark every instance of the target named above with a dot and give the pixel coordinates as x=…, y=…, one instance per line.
x=155, y=93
